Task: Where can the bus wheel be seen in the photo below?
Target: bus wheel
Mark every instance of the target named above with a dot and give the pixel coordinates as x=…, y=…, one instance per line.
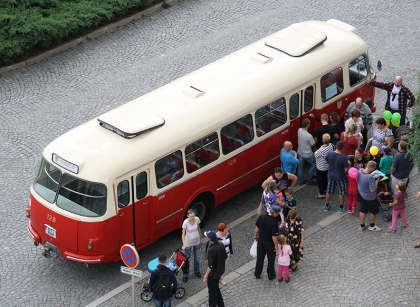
x=202, y=205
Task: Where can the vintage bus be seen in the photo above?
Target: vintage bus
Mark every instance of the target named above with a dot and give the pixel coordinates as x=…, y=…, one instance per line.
x=130, y=175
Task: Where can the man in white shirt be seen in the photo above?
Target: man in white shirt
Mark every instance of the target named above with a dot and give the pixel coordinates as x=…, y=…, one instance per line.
x=305, y=143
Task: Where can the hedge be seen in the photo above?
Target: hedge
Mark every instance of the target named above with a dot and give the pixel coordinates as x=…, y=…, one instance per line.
x=27, y=24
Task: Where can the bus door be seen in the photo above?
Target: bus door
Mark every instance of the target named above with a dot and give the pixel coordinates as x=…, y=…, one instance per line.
x=134, y=209
x=307, y=106
x=300, y=106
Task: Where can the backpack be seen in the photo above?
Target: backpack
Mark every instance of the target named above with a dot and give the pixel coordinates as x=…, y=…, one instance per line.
x=162, y=287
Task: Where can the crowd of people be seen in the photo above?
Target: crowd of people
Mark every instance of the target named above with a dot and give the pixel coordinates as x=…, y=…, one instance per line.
x=336, y=159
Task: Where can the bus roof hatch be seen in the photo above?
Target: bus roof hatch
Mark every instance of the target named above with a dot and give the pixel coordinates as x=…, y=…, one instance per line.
x=130, y=121
x=297, y=39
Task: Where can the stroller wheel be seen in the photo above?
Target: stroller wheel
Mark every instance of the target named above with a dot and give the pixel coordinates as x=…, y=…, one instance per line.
x=180, y=292
x=387, y=217
x=146, y=295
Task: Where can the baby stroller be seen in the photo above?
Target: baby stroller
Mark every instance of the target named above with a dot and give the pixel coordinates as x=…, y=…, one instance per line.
x=177, y=262
x=400, y=133
x=385, y=198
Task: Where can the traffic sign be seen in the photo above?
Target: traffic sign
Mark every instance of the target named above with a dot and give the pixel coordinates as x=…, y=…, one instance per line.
x=129, y=256
x=129, y=271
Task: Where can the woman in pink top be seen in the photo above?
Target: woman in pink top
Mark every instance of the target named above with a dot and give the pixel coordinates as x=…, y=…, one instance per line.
x=399, y=205
x=351, y=140
x=284, y=259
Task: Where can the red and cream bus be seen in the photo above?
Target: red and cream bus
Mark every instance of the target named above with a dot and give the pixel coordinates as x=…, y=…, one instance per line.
x=130, y=175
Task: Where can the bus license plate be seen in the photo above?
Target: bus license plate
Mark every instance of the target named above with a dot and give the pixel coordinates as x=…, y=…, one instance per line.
x=50, y=231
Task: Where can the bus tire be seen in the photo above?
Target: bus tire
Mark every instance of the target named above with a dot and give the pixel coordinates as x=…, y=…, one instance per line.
x=202, y=205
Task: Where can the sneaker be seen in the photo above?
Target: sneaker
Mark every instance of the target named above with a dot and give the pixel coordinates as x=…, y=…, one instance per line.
x=287, y=280
x=374, y=228
x=280, y=279
x=222, y=282
x=390, y=230
x=198, y=274
x=362, y=228
x=326, y=208
x=341, y=210
x=349, y=211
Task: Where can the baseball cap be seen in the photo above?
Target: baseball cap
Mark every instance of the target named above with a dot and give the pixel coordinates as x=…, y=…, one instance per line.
x=211, y=235
x=387, y=150
x=275, y=208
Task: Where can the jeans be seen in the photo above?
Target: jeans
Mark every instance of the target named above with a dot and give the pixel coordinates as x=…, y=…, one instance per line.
x=163, y=303
x=215, y=296
x=311, y=160
x=196, y=249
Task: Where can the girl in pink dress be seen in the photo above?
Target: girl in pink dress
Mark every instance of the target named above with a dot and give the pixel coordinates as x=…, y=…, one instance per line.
x=284, y=259
x=399, y=205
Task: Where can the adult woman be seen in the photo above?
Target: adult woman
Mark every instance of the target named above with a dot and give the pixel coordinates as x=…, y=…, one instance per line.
x=350, y=139
x=357, y=120
x=321, y=166
x=334, y=119
x=224, y=236
x=295, y=238
x=191, y=239
x=382, y=136
x=358, y=160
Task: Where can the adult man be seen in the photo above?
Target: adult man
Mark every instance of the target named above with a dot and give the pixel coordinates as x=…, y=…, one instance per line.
x=305, y=143
x=154, y=278
x=284, y=180
x=337, y=168
x=401, y=165
x=288, y=158
x=324, y=128
x=367, y=186
x=365, y=115
x=216, y=256
x=399, y=97
x=266, y=232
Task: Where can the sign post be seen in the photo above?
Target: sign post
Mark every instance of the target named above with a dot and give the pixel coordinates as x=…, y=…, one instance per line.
x=131, y=259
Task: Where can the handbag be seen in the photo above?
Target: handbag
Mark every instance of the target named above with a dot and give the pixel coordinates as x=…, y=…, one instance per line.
x=262, y=209
x=253, y=249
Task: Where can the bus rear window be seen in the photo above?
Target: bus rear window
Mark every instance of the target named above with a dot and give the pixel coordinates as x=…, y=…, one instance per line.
x=82, y=197
x=47, y=181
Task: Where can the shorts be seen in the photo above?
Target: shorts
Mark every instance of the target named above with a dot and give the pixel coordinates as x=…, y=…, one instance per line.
x=366, y=206
x=342, y=186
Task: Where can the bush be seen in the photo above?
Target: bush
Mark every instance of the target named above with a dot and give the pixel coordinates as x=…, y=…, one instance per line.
x=26, y=24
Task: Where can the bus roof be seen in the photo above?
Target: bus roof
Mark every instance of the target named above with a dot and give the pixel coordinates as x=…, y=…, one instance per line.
x=205, y=100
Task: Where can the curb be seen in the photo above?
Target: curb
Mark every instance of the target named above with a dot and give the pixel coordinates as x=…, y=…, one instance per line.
x=85, y=38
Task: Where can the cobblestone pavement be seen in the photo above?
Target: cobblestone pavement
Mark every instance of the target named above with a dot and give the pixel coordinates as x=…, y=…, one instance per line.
x=42, y=101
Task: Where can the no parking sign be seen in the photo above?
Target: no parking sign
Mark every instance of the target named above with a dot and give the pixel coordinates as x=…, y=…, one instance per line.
x=129, y=256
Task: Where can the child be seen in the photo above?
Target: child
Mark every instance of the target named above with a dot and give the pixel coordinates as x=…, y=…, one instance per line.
x=399, y=205
x=282, y=223
x=290, y=202
x=284, y=259
x=385, y=166
x=351, y=194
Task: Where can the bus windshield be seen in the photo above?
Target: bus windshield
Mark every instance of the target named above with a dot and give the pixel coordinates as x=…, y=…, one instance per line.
x=74, y=195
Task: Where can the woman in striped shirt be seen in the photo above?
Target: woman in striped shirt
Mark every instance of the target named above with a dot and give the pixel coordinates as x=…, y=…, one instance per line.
x=321, y=166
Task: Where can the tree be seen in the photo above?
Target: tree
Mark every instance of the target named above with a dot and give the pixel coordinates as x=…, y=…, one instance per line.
x=414, y=136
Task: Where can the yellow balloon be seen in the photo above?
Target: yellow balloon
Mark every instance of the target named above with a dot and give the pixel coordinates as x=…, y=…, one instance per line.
x=395, y=124
x=374, y=150
x=388, y=122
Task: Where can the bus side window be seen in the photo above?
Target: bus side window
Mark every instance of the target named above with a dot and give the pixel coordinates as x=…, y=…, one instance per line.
x=309, y=99
x=169, y=169
x=202, y=152
x=123, y=193
x=332, y=84
x=271, y=116
x=294, y=106
x=141, y=185
x=358, y=70
x=236, y=134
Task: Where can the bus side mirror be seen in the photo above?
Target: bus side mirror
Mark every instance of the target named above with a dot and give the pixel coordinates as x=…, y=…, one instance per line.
x=379, y=65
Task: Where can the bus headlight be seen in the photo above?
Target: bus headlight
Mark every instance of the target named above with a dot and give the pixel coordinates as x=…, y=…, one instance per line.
x=28, y=212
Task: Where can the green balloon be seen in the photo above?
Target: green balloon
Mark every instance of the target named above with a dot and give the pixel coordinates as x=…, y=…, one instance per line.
x=396, y=117
x=387, y=115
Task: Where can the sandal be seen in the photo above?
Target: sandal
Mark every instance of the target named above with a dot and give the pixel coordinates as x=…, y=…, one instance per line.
x=417, y=246
x=317, y=196
x=293, y=269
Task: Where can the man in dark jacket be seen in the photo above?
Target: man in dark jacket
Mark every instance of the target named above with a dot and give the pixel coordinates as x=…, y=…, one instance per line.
x=154, y=278
x=216, y=256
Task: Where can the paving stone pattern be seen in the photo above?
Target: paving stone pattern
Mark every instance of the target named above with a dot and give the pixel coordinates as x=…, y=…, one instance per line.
x=42, y=101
